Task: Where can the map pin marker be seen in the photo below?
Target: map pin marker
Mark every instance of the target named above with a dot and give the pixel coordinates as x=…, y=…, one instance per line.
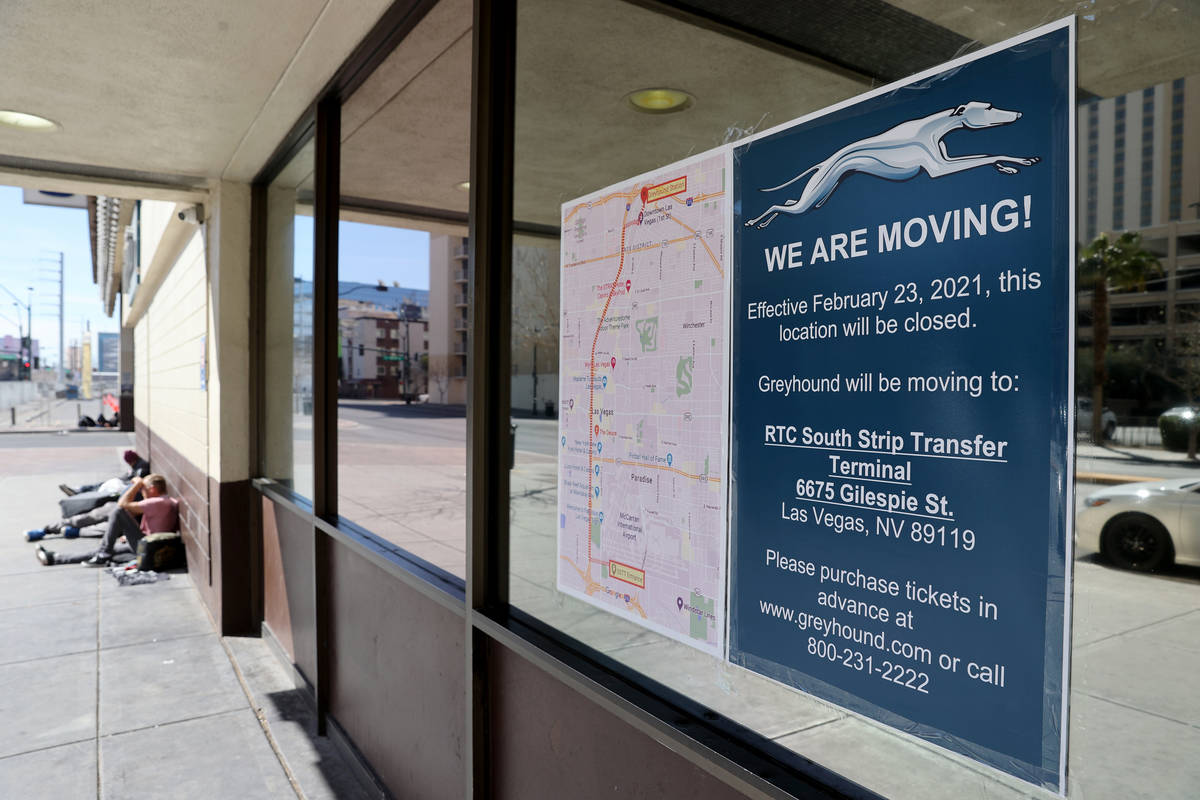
x=628, y=286
x=614, y=362
x=597, y=430
x=679, y=602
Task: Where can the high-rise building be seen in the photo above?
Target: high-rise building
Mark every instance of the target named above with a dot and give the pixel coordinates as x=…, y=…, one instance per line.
x=109, y=347
x=1139, y=170
x=448, y=319
x=1134, y=168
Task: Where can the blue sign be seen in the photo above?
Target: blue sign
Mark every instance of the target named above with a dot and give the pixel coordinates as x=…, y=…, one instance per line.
x=902, y=325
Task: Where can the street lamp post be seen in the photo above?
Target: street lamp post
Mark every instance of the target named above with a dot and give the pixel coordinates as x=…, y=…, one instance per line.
x=408, y=312
x=536, y=332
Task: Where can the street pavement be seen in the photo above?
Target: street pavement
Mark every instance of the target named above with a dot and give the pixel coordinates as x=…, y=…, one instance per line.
x=50, y=414
x=128, y=692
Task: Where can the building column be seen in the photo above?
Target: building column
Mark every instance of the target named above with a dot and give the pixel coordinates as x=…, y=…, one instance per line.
x=234, y=547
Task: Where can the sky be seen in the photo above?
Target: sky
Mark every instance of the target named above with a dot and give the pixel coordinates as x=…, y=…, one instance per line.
x=31, y=238
x=369, y=254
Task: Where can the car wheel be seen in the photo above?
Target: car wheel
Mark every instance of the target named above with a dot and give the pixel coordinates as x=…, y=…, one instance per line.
x=1137, y=542
x=1110, y=430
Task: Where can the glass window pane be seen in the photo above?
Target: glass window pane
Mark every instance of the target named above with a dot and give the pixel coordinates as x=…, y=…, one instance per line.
x=403, y=294
x=288, y=370
x=577, y=132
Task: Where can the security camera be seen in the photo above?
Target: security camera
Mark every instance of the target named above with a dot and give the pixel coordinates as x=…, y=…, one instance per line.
x=193, y=215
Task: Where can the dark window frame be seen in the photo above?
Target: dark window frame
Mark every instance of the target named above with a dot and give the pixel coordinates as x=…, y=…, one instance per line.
x=739, y=757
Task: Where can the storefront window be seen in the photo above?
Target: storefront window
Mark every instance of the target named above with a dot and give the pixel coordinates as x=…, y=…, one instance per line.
x=288, y=367
x=403, y=294
x=610, y=93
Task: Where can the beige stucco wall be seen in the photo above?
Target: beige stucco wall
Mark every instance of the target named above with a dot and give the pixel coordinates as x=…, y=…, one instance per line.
x=192, y=341
x=169, y=396
x=155, y=214
x=228, y=324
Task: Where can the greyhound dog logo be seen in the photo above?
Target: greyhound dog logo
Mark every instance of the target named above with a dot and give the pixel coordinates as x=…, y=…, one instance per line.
x=898, y=154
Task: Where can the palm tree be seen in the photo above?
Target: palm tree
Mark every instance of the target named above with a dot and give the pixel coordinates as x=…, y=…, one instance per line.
x=1125, y=264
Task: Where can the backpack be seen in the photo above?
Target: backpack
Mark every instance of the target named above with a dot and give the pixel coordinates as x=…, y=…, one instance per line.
x=161, y=551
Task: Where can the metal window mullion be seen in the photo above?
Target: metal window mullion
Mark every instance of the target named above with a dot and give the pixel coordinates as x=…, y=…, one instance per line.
x=257, y=386
x=489, y=445
x=325, y=332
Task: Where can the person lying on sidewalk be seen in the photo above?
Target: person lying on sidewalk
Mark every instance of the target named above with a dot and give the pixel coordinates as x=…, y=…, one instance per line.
x=159, y=513
x=70, y=526
x=138, y=468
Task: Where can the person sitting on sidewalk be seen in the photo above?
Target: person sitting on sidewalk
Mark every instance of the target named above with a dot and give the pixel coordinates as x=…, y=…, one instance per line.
x=138, y=468
x=159, y=514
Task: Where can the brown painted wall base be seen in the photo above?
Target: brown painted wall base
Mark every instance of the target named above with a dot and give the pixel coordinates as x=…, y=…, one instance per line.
x=398, y=679
x=219, y=533
x=550, y=741
x=287, y=566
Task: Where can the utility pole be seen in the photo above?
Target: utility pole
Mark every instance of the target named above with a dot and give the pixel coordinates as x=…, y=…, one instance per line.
x=62, y=378
x=29, y=335
x=61, y=293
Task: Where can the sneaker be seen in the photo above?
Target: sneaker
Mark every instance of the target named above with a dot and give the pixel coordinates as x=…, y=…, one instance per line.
x=70, y=532
x=35, y=535
x=67, y=490
x=45, y=556
x=97, y=560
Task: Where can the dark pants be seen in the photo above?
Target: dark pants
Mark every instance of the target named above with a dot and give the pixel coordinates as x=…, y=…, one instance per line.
x=93, y=517
x=120, y=523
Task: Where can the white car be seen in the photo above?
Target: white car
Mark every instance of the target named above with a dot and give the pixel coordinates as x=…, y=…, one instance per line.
x=1143, y=526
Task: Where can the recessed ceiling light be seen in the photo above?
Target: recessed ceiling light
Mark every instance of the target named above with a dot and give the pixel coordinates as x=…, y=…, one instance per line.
x=659, y=100
x=465, y=186
x=27, y=122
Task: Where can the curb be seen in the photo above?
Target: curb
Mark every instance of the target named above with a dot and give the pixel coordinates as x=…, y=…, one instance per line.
x=1113, y=479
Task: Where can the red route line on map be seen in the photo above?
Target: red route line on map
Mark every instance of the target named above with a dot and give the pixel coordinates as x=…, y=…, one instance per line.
x=592, y=364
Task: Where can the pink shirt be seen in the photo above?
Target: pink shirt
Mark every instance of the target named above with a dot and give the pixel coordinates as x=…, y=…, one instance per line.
x=159, y=515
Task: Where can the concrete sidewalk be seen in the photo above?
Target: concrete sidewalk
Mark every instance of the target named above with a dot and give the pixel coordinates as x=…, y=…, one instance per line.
x=127, y=692
x=1112, y=464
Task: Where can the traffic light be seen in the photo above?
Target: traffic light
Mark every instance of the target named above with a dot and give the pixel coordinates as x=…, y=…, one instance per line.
x=26, y=345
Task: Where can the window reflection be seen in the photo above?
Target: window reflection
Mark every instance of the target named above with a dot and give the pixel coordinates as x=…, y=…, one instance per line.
x=403, y=294
x=288, y=369
x=1138, y=170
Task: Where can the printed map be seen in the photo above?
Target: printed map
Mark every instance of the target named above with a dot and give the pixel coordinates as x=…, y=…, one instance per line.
x=642, y=434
